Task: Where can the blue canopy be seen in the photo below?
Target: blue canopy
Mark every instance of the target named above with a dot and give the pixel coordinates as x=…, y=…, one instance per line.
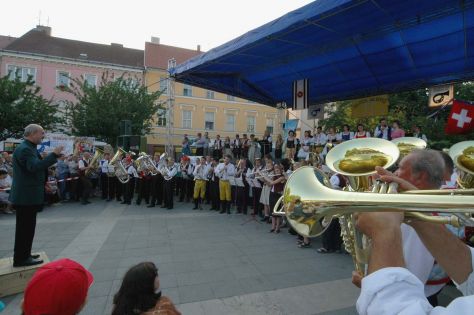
x=345, y=48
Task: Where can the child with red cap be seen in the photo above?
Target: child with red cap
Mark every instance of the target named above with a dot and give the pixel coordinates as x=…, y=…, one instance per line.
x=57, y=288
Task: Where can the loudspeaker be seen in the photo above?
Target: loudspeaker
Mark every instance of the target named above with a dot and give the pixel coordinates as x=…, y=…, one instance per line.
x=125, y=127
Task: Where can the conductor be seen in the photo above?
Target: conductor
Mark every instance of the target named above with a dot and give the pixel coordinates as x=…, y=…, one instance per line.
x=27, y=192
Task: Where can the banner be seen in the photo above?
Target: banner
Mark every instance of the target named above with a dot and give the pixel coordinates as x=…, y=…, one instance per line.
x=370, y=106
x=52, y=141
x=300, y=94
x=441, y=95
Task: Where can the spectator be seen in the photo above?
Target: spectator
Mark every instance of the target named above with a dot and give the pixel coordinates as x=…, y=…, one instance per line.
x=62, y=173
x=5, y=185
x=383, y=130
x=397, y=132
x=346, y=134
x=140, y=293
x=278, y=147
x=57, y=288
x=290, y=145
x=417, y=133
x=361, y=133
x=185, y=146
x=227, y=147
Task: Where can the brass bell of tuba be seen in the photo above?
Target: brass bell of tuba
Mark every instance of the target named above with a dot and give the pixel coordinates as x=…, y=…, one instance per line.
x=119, y=168
x=94, y=164
x=407, y=144
x=462, y=154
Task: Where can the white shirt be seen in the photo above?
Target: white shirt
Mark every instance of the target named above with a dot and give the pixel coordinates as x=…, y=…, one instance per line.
x=225, y=171
x=132, y=171
x=104, y=166
x=201, y=171
x=82, y=165
x=171, y=172
x=320, y=138
x=452, y=183
x=6, y=182
x=395, y=290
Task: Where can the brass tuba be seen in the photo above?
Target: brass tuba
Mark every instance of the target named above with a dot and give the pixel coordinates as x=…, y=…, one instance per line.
x=94, y=164
x=407, y=144
x=146, y=165
x=462, y=154
x=119, y=168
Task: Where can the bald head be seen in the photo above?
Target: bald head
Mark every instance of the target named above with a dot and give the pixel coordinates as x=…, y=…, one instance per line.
x=34, y=133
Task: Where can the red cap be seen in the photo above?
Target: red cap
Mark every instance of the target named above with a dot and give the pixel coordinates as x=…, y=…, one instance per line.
x=57, y=288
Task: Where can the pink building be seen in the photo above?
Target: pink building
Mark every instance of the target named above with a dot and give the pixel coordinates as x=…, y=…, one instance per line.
x=52, y=61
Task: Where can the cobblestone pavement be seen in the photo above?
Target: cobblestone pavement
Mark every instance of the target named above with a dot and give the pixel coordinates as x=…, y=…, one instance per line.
x=209, y=263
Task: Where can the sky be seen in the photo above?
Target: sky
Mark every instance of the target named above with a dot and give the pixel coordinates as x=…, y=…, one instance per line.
x=181, y=23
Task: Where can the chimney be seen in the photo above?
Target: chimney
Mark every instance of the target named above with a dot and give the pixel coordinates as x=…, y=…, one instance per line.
x=155, y=40
x=116, y=45
x=44, y=29
x=199, y=48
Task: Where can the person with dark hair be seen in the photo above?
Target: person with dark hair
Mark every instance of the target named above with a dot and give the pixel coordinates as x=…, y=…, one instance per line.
x=383, y=130
x=397, y=131
x=361, y=133
x=416, y=132
x=140, y=293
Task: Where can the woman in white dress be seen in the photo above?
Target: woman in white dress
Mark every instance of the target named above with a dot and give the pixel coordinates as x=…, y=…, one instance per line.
x=265, y=196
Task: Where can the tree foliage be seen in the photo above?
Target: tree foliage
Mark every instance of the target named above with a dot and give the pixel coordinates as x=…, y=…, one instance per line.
x=97, y=111
x=21, y=104
x=411, y=108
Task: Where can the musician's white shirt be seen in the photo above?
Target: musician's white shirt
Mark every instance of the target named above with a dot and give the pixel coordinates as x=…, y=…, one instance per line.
x=171, y=172
x=132, y=171
x=104, y=166
x=395, y=290
x=228, y=172
x=81, y=164
x=201, y=171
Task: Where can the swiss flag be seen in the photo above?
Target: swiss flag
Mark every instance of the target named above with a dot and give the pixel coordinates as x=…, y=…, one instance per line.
x=461, y=118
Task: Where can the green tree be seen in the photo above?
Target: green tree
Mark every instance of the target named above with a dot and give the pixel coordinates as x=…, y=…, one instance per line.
x=21, y=104
x=411, y=108
x=97, y=111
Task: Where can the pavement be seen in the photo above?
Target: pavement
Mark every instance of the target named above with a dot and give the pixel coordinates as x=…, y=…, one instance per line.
x=208, y=263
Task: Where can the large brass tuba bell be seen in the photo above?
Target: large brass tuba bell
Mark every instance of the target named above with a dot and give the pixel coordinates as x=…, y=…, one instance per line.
x=462, y=154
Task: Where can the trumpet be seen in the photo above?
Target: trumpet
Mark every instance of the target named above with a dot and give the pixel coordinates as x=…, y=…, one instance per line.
x=305, y=212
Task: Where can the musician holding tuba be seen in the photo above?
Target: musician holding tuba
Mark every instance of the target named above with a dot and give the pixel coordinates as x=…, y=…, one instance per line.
x=200, y=180
x=224, y=171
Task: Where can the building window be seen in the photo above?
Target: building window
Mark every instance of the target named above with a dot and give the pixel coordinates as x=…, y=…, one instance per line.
x=209, y=121
x=251, y=123
x=270, y=125
x=230, y=98
x=21, y=72
x=230, y=123
x=187, y=119
x=90, y=80
x=62, y=79
x=210, y=94
x=163, y=84
x=161, y=115
x=187, y=90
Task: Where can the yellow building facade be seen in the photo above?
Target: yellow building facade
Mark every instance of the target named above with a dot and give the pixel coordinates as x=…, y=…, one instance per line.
x=200, y=110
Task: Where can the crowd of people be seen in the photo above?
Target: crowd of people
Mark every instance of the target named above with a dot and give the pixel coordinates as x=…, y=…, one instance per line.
x=418, y=258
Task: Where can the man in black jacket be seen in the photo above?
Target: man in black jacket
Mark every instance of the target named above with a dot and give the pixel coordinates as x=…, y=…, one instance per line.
x=27, y=192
